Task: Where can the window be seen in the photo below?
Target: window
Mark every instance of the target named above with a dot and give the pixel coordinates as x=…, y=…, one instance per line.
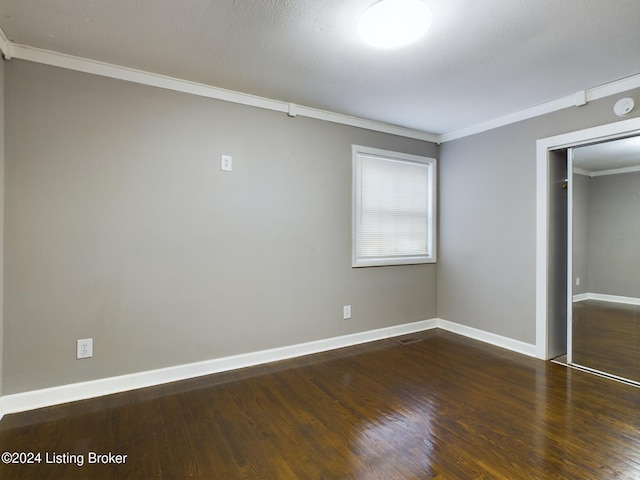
x=394, y=205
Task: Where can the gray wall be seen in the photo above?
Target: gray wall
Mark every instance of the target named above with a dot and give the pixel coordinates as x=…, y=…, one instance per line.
x=580, y=250
x=120, y=226
x=486, y=270
x=614, y=235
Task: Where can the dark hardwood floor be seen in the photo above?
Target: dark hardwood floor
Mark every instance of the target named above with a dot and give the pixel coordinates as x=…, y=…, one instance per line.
x=444, y=407
x=606, y=337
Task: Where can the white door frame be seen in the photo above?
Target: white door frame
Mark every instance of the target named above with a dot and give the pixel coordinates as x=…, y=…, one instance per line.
x=543, y=147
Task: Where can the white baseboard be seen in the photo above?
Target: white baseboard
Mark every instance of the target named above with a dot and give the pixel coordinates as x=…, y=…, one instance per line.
x=487, y=337
x=47, y=397
x=31, y=400
x=581, y=297
x=602, y=297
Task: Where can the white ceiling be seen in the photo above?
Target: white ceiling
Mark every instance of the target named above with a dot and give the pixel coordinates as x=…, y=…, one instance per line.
x=482, y=59
x=613, y=155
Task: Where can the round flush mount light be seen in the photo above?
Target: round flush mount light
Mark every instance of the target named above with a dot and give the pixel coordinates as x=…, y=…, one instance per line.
x=394, y=23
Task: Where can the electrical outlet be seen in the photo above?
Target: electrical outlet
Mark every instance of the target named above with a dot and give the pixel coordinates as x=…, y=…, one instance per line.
x=226, y=163
x=577, y=281
x=346, y=312
x=84, y=348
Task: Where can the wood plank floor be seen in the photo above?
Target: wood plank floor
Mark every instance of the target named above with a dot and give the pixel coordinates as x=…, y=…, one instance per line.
x=444, y=407
x=606, y=337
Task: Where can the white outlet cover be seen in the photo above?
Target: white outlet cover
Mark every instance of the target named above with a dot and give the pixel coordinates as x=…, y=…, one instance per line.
x=226, y=163
x=84, y=348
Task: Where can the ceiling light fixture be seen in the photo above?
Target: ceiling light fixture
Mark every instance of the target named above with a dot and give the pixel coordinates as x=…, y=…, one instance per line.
x=394, y=23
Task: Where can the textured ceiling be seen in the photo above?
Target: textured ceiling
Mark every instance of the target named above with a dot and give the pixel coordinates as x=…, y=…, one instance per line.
x=482, y=59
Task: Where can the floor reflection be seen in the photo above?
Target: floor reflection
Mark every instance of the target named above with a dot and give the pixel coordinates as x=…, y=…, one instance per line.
x=606, y=338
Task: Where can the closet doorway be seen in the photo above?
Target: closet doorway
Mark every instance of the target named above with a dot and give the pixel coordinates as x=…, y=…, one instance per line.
x=604, y=261
x=570, y=313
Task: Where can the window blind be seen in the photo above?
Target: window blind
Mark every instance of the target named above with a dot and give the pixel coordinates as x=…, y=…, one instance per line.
x=392, y=209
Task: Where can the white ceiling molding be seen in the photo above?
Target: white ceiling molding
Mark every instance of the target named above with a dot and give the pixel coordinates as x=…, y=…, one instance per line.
x=581, y=171
x=47, y=57
x=602, y=173
x=591, y=94
x=615, y=171
x=613, y=88
x=532, y=112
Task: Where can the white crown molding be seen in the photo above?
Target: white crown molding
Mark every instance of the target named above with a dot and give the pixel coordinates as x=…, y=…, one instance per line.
x=595, y=93
x=526, y=114
x=47, y=57
x=582, y=171
x=602, y=173
x=615, y=171
x=613, y=88
x=365, y=123
x=70, y=62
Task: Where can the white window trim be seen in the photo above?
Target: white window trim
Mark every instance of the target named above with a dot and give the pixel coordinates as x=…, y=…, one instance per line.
x=430, y=257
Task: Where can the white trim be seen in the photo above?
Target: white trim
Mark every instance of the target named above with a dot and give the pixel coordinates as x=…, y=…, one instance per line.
x=595, y=93
x=582, y=171
x=20, y=402
x=603, y=297
x=488, y=337
x=593, y=371
x=47, y=57
x=615, y=171
x=526, y=114
x=569, y=280
x=543, y=147
x=601, y=173
x=79, y=64
x=366, y=124
x=431, y=164
x=613, y=88
x=542, y=225
x=580, y=297
x=6, y=46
